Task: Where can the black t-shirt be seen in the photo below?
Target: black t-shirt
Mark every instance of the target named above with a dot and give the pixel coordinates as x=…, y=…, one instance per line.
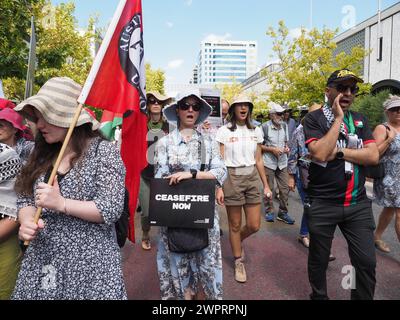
x=330, y=183
x=152, y=137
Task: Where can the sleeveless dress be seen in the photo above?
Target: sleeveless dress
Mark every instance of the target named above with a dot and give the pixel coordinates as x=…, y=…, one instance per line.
x=387, y=189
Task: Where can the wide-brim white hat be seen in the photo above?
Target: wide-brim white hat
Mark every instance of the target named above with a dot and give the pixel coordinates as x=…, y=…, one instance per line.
x=205, y=110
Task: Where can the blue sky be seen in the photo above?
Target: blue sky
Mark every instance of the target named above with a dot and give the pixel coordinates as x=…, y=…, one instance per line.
x=173, y=29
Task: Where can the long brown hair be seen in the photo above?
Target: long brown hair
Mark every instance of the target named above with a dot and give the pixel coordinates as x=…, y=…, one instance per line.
x=232, y=119
x=44, y=154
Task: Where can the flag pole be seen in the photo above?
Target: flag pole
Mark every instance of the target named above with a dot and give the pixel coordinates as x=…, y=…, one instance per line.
x=59, y=158
x=102, y=52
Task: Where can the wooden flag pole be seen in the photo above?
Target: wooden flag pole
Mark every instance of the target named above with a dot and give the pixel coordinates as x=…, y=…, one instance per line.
x=59, y=158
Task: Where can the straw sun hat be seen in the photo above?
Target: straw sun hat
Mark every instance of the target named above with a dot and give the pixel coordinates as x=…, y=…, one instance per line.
x=57, y=102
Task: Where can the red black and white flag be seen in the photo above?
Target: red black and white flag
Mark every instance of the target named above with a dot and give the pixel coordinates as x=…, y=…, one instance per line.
x=117, y=83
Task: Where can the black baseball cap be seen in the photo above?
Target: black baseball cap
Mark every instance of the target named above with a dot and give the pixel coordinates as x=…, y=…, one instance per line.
x=343, y=75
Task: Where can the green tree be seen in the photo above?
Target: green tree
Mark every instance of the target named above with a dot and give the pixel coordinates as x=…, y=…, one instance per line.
x=154, y=79
x=62, y=50
x=230, y=91
x=306, y=62
x=15, y=22
x=372, y=107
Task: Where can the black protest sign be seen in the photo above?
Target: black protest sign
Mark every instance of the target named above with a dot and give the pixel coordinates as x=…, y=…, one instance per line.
x=189, y=204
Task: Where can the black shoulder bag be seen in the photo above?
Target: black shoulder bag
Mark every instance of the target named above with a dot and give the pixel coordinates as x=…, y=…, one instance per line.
x=188, y=240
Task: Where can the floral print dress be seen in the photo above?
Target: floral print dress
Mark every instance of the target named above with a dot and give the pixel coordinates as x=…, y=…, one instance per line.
x=387, y=190
x=73, y=259
x=181, y=272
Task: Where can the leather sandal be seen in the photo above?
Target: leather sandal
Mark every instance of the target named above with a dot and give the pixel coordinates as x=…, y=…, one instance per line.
x=146, y=244
x=382, y=246
x=305, y=241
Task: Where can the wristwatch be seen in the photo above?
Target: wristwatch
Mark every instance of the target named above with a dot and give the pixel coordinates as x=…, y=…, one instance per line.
x=340, y=154
x=194, y=173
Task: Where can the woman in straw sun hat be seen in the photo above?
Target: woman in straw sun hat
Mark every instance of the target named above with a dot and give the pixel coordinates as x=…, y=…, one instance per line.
x=178, y=157
x=73, y=252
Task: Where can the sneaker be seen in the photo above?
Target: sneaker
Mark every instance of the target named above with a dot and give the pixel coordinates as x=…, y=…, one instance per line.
x=269, y=217
x=284, y=217
x=240, y=271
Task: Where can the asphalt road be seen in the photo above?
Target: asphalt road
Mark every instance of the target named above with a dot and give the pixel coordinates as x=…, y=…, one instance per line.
x=276, y=264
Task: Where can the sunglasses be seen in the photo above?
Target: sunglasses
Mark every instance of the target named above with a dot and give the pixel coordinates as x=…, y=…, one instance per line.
x=154, y=101
x=279, y=114
x=343, y=88
x=395, y=109
x=185, y=106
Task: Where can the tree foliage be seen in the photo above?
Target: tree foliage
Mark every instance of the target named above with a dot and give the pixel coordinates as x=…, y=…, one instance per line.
x=230, y=91
x=306, y=63
x=372, y=107
x=154, y=79
x=15, y=21
x=62, y=50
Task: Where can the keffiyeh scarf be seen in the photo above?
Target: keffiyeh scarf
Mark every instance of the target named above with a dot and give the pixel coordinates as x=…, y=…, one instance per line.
x=10, y=166
x=331, y=118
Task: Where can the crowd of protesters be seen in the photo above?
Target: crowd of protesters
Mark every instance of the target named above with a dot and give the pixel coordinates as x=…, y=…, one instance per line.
x=73, y=252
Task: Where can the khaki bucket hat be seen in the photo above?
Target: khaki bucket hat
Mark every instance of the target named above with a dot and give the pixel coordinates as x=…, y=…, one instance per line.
x=57, y=102
x=241, y=99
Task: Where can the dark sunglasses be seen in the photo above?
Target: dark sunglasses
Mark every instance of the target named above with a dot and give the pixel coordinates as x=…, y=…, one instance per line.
x=395, y=109
x=279, y=114
x=343, y=88
x=185, y=106
x=154, y=101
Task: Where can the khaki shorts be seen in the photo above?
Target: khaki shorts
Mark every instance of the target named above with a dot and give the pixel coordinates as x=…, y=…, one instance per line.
x=242, y=187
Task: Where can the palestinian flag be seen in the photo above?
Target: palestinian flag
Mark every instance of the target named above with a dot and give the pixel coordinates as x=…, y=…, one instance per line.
x=109, y=122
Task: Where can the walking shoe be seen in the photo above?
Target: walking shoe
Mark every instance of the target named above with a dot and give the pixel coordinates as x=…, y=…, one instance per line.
x=269, y=217
x=304, y=240
x=240, y=271
x=284, y=217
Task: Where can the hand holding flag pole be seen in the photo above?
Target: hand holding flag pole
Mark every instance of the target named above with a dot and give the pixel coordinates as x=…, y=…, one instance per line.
x=59, y=158
x=116, y=83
